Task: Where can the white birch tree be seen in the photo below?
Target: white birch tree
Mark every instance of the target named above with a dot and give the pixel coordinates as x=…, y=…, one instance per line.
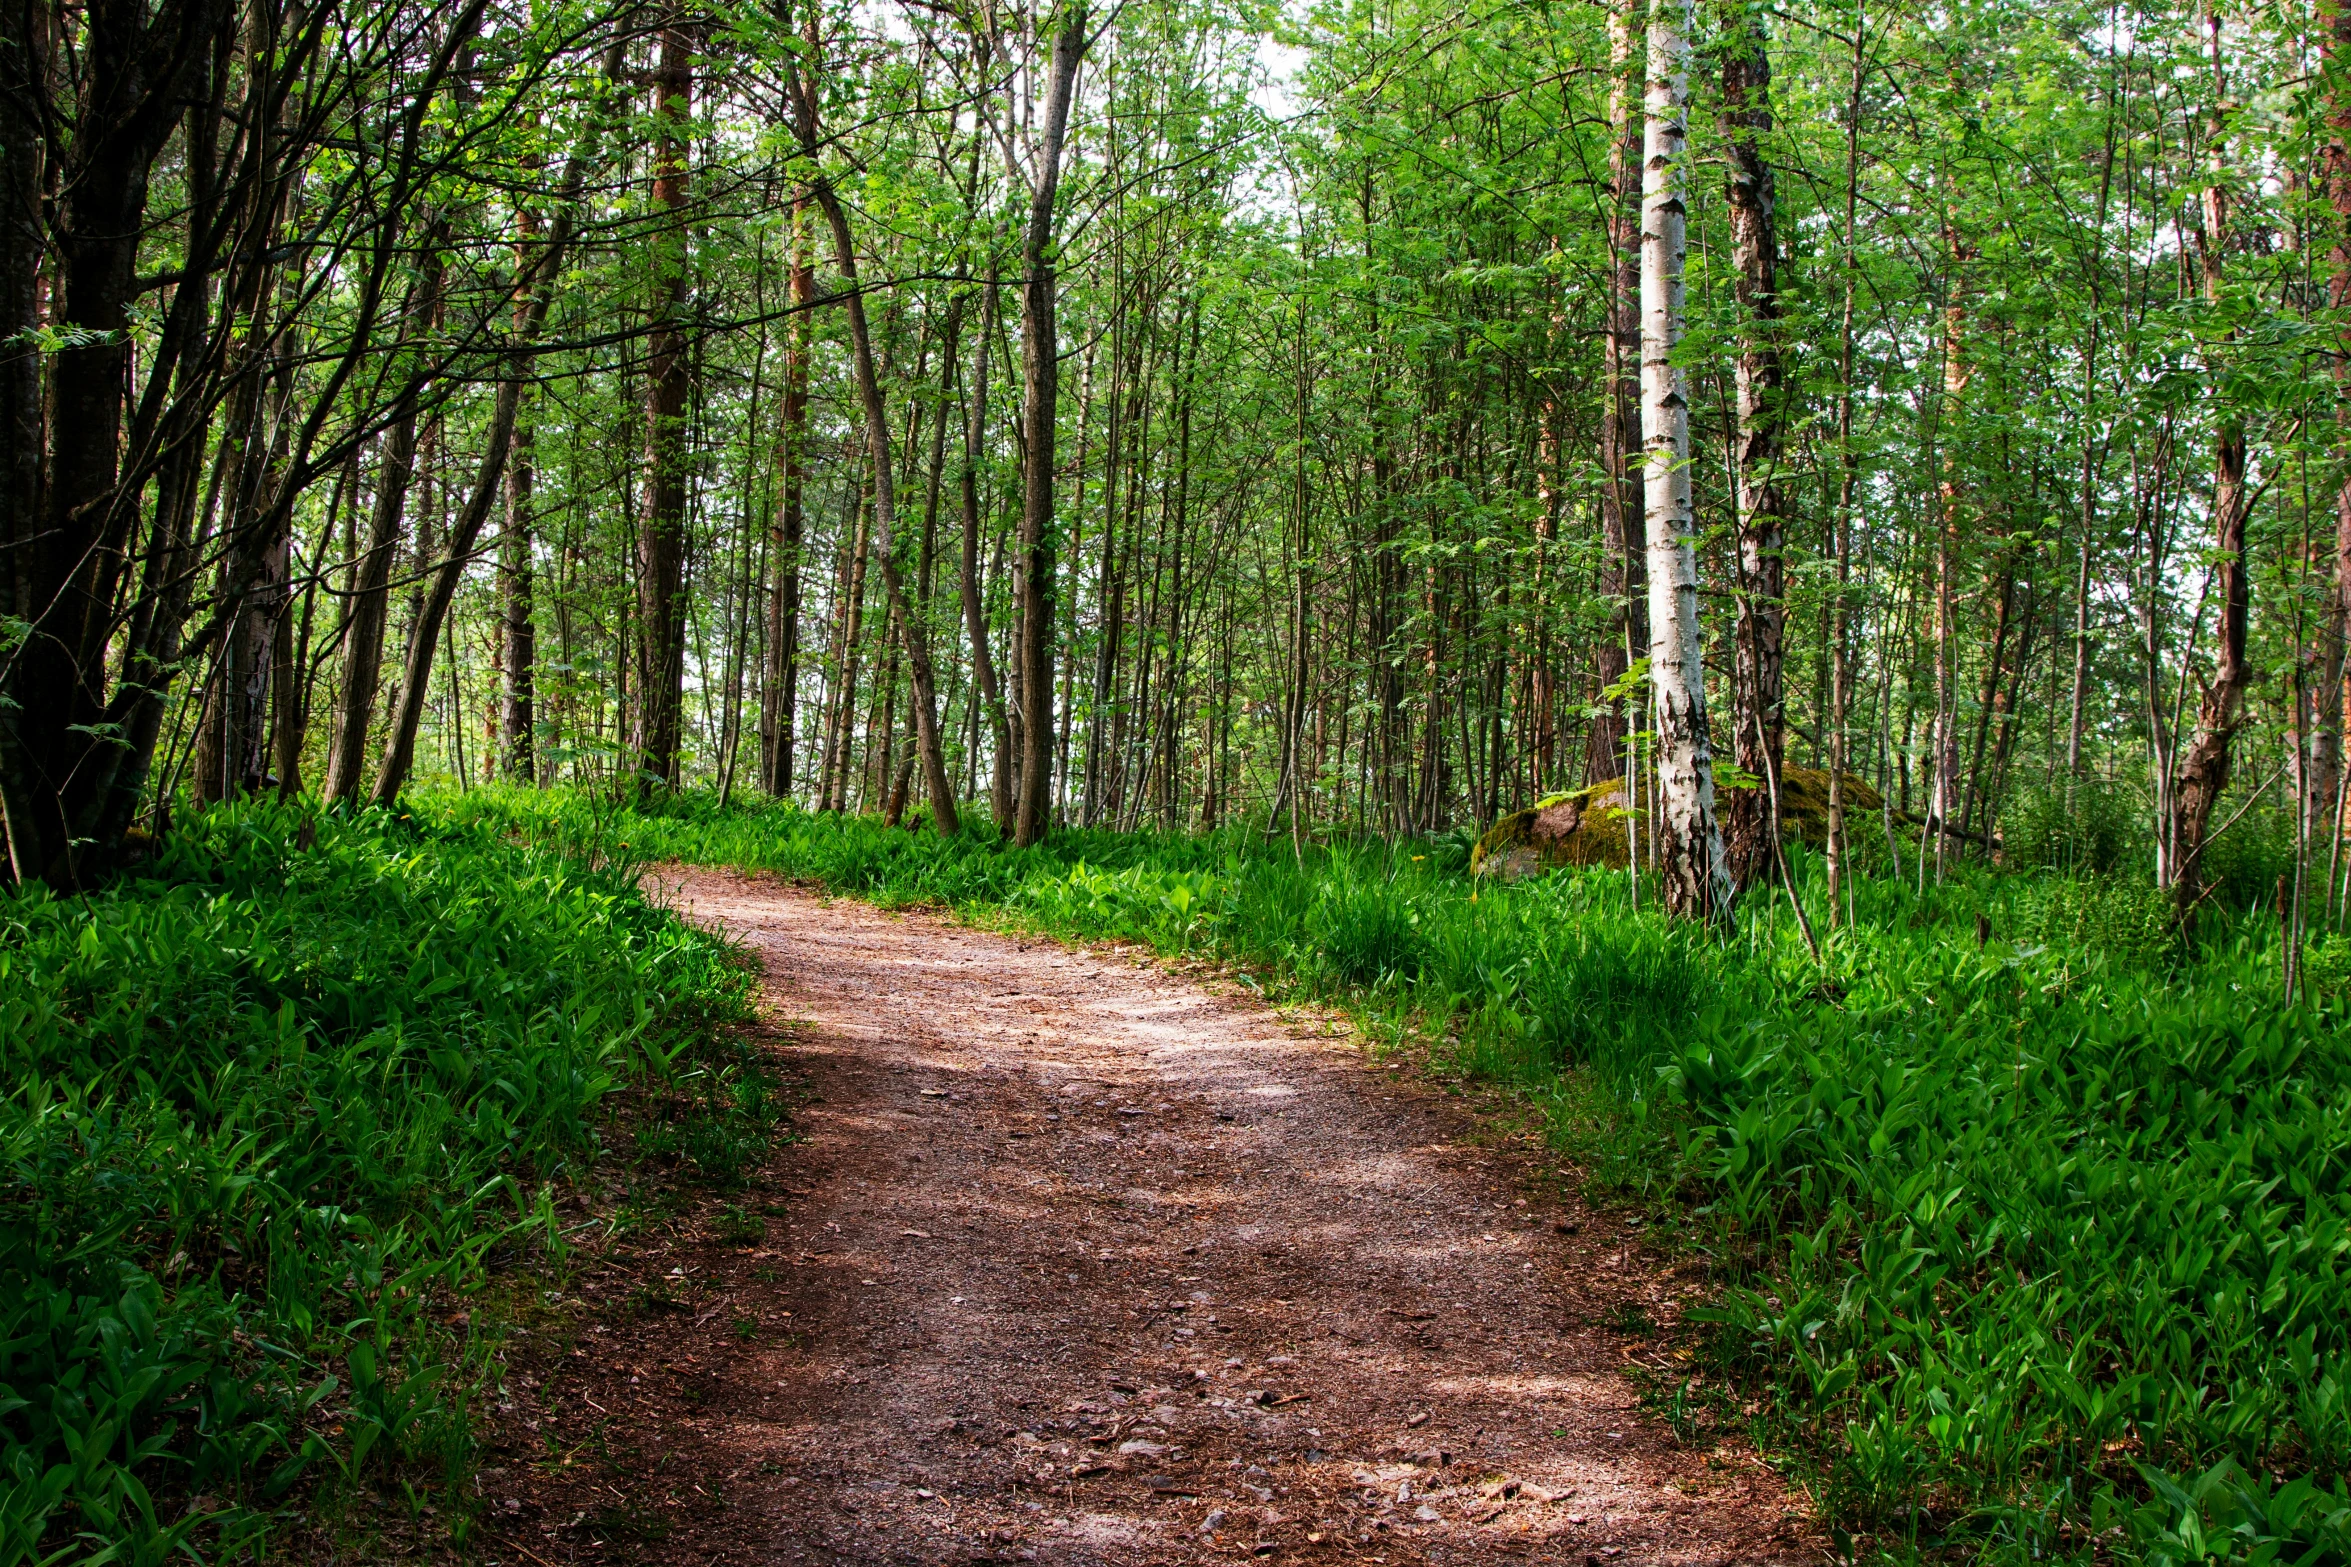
x=1696, y=876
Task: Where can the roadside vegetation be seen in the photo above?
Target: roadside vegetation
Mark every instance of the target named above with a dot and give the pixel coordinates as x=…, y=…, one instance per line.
x=2025, y=1220
x=279, y=1103
x=2027, y=1223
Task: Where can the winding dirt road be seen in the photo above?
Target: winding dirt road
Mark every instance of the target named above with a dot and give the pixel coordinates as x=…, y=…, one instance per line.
x=1087, y=1264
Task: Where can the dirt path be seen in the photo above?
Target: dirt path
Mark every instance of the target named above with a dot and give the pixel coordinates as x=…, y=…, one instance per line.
x=1085, y=1265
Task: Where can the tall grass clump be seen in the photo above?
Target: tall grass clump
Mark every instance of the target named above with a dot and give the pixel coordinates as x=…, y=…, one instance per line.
x=271, y=1105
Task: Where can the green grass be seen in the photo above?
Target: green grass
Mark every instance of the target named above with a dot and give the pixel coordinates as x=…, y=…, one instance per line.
x=2028, y=1249
x=273, y=1107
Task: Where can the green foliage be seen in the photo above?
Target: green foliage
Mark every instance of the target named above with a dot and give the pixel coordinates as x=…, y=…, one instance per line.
x=2243, y=864
x=2099, y=917
x=718, y=1121
x=2093, y=829
x=2023, y=1241
x=2326, y=964
x=1362, y=931
x=266, y=1105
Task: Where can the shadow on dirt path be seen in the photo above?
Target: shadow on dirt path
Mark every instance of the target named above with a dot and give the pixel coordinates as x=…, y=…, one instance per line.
x=1084, y=1264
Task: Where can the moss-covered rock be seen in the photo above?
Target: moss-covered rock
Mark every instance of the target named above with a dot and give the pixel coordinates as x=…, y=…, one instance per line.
x=1590, y=826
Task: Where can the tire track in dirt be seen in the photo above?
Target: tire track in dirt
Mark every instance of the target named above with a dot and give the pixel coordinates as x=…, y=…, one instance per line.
x=1091, y=1265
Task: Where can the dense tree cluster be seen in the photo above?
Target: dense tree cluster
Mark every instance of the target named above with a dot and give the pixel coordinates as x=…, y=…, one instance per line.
x=892, y=406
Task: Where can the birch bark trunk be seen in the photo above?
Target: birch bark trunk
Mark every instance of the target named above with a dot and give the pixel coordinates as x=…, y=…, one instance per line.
x=1691, y=865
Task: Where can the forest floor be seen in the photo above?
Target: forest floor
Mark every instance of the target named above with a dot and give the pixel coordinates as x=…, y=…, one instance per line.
x=1077, y=1260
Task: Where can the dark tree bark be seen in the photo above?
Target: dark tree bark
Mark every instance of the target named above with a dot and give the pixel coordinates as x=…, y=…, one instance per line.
x=1756, y=705
x=517, y=625
x=2204, y=772
x=517, y=628
x=23, y=65
x=88, y=124
x=371, y=598
x=1624, y=544
x=1040, y=410
x=779, y=691
x=232, y=749
x=661, y=538
x=2322, y=777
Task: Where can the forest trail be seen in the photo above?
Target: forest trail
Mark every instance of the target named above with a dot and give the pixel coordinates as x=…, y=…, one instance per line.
x=1086, y=1264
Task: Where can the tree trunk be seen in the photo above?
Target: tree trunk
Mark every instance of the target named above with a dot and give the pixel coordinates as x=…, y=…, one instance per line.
x=536, y=288
x=2323, y=775
x=112, y=94
x=2077, y=703
x=229, y=759
x=913, y=626
x=975, y=614
x=1623, y=544
x=32, y=809
x=1691, y=866
x=2204, y=773
x=518, y=632
x=1988, y=703
x=441, y=591
x=1756, y=714
x=1128, y=383
x=834, y=790
x=1943, y=783
x=661, y=538
x=1848, y=477
x=779, y=695
x=363, y=636
x=1041, y=377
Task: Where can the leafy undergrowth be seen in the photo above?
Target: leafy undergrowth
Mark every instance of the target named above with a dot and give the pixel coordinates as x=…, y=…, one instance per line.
x=277, y=1104
x=2029, y=1230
